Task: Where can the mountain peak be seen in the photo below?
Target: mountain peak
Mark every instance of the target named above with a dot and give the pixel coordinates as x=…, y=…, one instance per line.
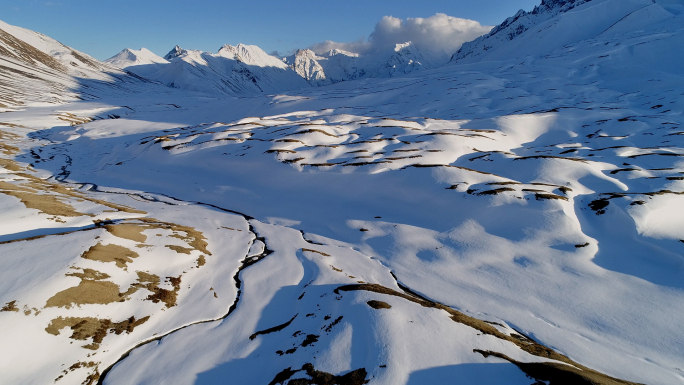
x=175, y=52
x=130, y=57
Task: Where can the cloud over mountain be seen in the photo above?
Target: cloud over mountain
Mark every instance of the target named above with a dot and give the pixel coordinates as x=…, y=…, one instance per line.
x=436, y=35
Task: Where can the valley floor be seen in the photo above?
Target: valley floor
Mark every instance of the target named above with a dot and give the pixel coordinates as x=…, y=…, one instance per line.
x=493, y=224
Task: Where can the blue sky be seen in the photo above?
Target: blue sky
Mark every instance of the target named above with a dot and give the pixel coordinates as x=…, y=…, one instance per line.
x=102, y=28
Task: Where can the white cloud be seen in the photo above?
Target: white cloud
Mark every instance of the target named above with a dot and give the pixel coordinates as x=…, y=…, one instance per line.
x=437, y=35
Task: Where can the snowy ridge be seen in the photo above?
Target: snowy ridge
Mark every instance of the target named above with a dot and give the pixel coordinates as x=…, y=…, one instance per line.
x=243, y=70
x=556, y=24
x=37, y=69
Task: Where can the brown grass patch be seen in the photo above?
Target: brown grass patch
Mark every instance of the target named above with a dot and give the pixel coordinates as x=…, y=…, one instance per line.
x=10, y=165
x=201, y=261
x=316, y=251
x=128, y=231
x=84, y=328
x=26, y=53
x=313, y=130
x=73, y=119
x=151, y=283
x=7, y=149
x=46, y=204
x=192, y=237
x=111, y=253
x=10, y=306
x=180, y=249
x=545, y=196
x=89, y=274
x=295, y=160
x=92, y=377
x=169, y=297
x=379, y=304
x=27, y=191
x=87, y=292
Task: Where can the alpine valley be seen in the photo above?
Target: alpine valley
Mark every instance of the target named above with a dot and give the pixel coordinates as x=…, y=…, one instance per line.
x=508, y=213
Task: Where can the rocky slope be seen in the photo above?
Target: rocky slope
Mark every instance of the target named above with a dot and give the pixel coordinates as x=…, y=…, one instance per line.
x=37, y=69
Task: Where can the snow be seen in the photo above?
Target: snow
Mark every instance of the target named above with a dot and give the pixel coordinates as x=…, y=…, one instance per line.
x=131, y=57
x=537, y=187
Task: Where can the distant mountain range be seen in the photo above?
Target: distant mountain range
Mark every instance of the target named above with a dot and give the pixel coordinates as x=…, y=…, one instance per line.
x=247, y=69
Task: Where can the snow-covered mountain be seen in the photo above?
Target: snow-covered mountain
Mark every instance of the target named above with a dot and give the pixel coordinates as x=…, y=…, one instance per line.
x=505, y=220
x=337, y=65
x=35, y=68
x=241, y=70
x=555, y=24
x=174, y=53
x=131, y=57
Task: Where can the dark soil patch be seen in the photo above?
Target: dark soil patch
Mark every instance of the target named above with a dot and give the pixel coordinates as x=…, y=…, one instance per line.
x=543, y=196
x=328, y=328
x=317, y=377
x=273, y=329
x=599, y=206
x=496, y=191
x=310, y=339
x=379, y=304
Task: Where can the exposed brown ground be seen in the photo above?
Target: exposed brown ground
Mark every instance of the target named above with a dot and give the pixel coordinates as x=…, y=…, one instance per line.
x=111, y=253
x=84, y=328
x=10, y=306
x=316, y=251
x=379, y=304
x=127, y=231
x=87, y=292
x=192, y=237
x=27, y=53
x=180, y=249
x=355, y=377
x=89, y=274
x=201, y=261
x=10, y=165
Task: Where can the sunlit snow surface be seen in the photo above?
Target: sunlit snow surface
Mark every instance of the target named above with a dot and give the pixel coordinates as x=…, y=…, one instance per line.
x=543, y=196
